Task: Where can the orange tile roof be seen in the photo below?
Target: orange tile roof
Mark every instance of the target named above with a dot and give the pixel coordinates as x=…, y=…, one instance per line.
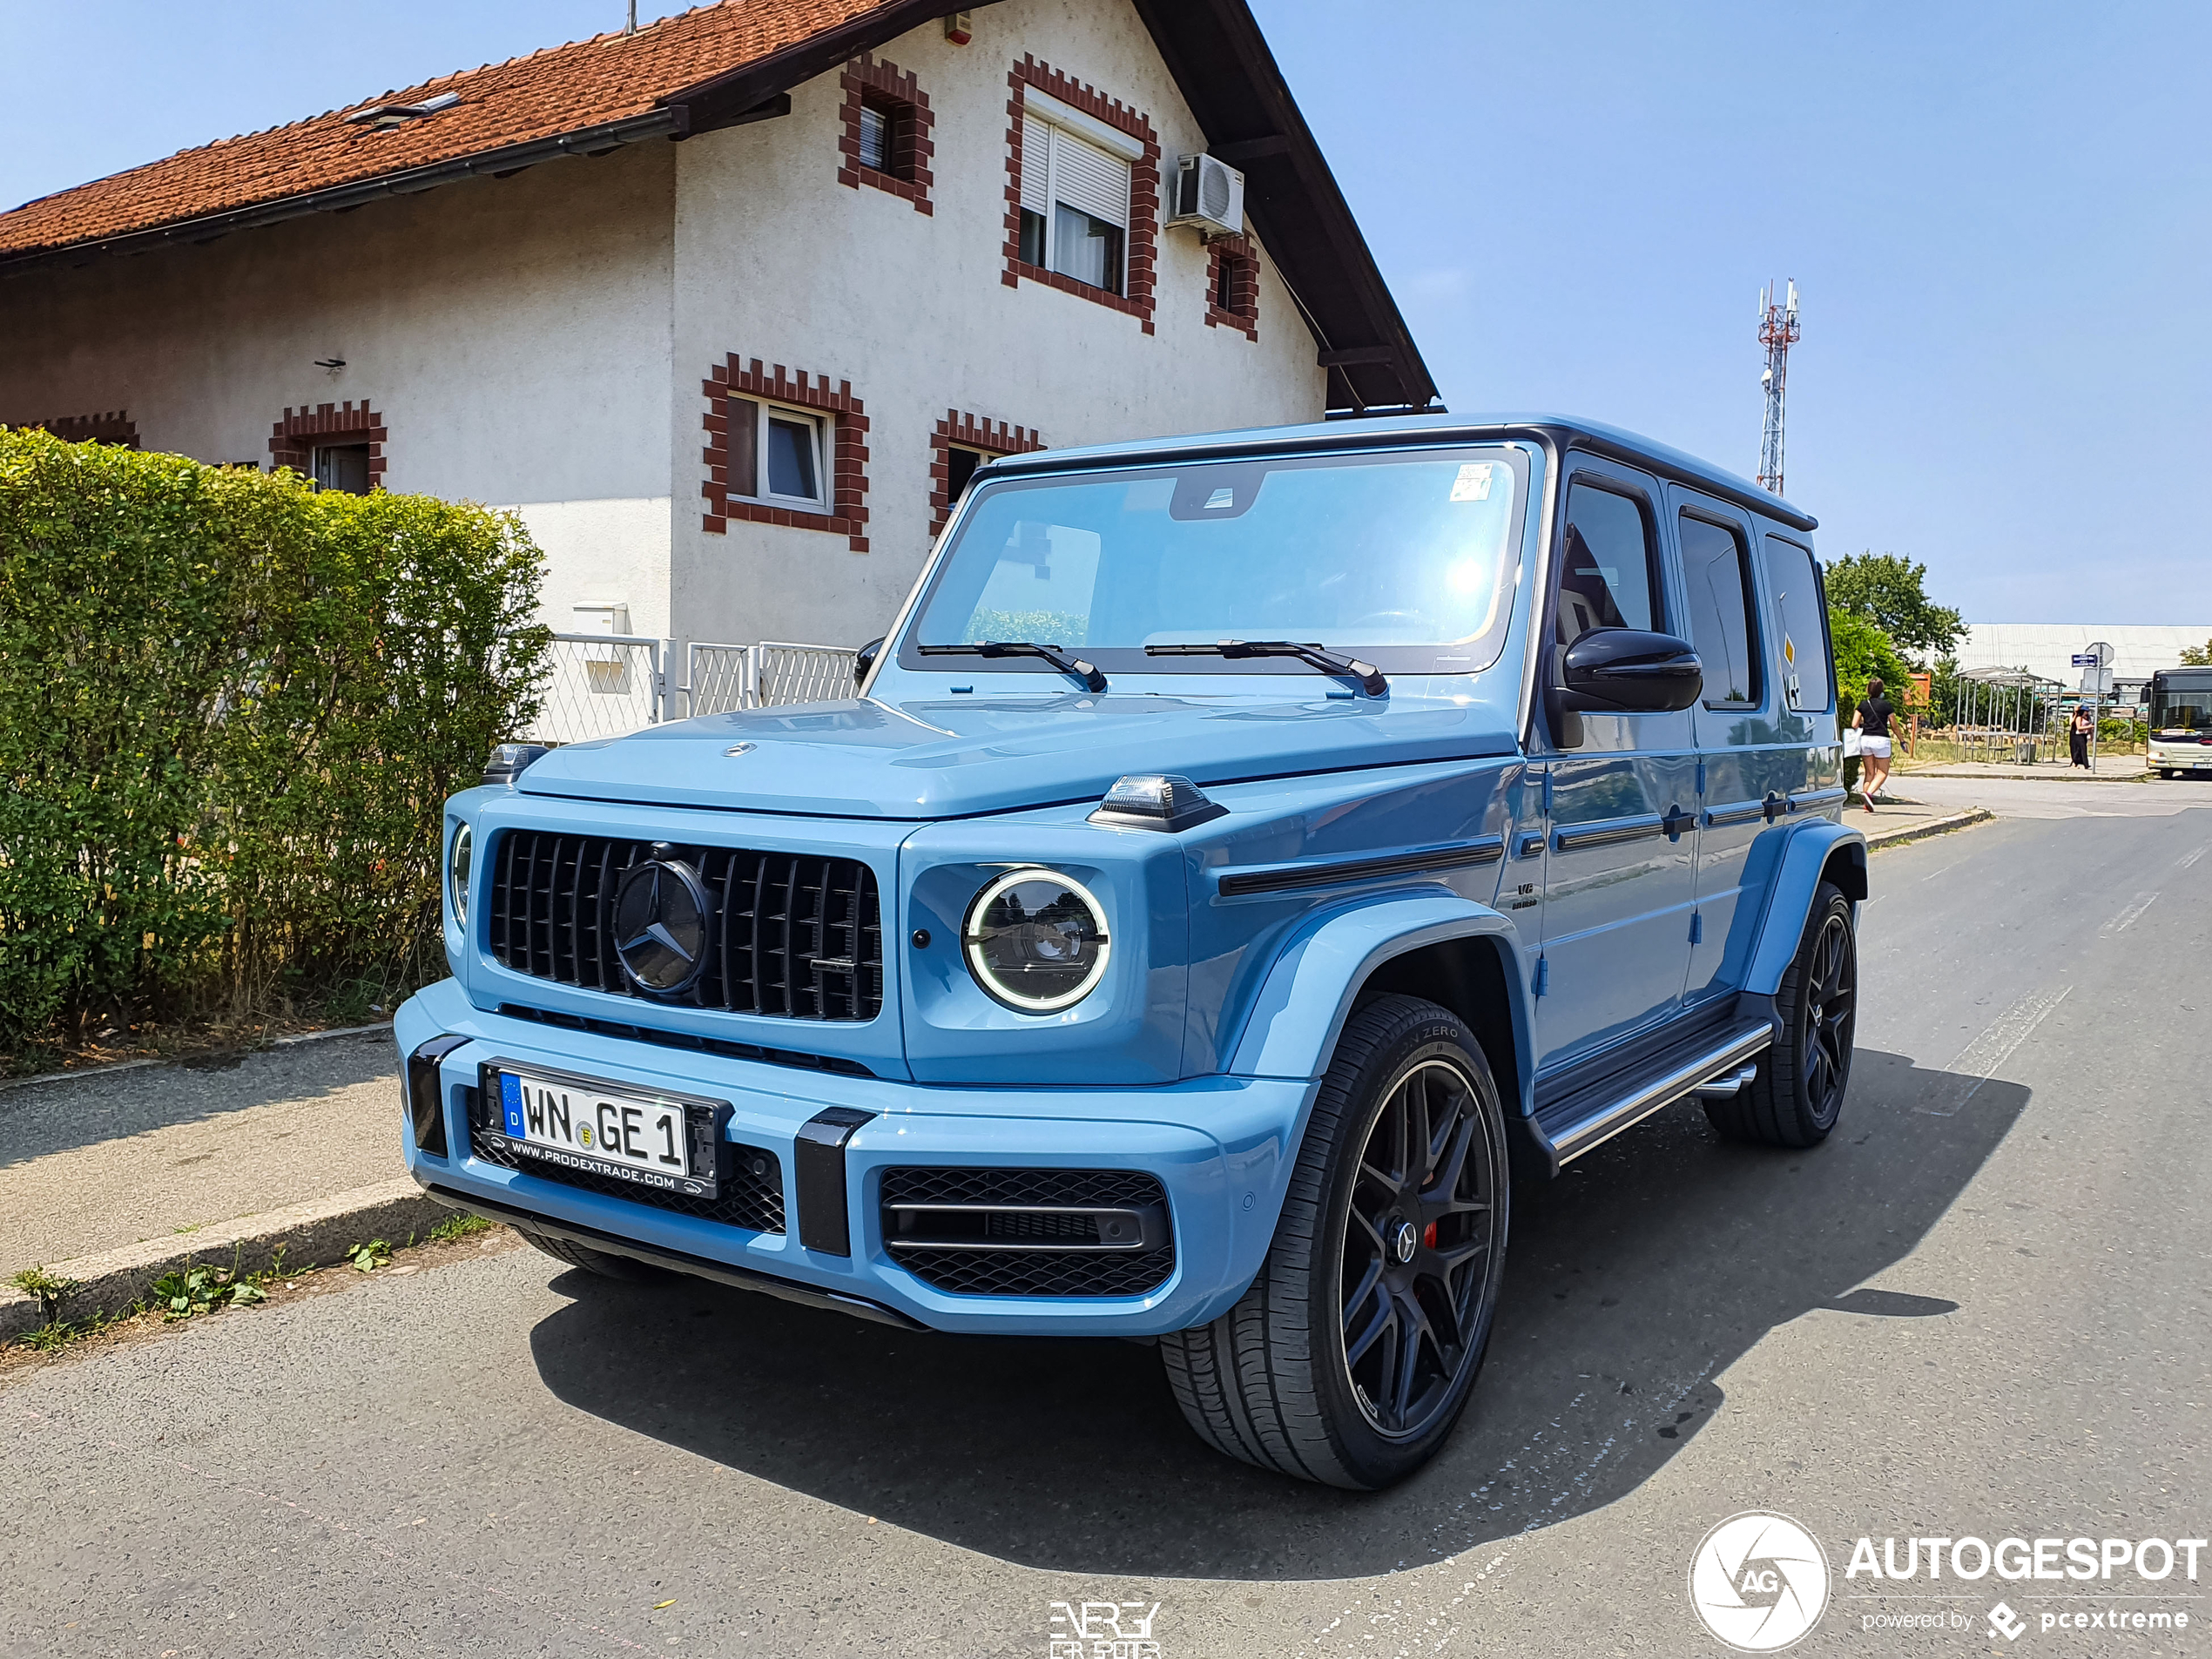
x=562, y=90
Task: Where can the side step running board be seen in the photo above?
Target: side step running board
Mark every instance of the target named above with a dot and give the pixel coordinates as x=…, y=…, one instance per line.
x=1721, y=1064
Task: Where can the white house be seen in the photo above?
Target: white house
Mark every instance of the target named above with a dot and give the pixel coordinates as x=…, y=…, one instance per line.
x=728, y=308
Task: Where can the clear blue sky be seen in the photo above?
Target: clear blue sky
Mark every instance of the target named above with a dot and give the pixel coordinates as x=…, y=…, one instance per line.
x=1997, y=214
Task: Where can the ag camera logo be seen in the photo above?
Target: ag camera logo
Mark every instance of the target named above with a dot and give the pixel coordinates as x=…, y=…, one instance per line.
x=1759, y=1582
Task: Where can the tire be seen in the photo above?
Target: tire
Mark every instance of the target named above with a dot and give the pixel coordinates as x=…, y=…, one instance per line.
x=1798, y=1093
x=604, y=1263
x=1411, y=1260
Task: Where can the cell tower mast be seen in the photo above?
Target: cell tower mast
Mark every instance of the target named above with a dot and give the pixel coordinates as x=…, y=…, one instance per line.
x=1777, y=329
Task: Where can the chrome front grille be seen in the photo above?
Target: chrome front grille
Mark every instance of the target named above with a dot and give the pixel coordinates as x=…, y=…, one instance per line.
x=794, y=936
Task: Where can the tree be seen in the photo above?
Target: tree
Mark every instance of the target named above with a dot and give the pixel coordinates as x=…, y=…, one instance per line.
x=2197, y=655
x=1891, y=592
x=1863, y=652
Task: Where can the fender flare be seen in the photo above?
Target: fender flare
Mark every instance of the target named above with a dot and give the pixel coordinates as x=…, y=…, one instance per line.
x=1789, y=897
x=1302, y=1007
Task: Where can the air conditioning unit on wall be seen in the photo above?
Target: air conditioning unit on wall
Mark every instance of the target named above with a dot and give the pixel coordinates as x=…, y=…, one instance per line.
x=1210, y=195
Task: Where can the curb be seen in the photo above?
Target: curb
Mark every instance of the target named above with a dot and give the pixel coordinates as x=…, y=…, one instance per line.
x=114, y=1066
x=2055, y=776
x=316, y=1234
x=1927, y=826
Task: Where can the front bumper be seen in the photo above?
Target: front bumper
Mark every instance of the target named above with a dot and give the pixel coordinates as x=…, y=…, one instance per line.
x=1220, y=1148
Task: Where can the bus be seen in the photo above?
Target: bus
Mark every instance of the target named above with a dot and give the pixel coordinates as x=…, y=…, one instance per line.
x=2180, y=720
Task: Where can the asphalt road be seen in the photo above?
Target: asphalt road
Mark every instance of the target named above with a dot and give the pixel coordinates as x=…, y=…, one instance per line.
x=1981, y=1308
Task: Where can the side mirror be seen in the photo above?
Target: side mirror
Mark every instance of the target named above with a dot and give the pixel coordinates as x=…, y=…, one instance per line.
x=1625, y=670
x=864, y=659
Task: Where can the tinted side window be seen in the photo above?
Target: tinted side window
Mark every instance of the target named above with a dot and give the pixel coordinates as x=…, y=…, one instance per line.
x=1804, y=621
x=1610, y=578
x=1717, y=567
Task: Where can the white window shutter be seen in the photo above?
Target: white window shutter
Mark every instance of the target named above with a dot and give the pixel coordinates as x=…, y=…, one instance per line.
x=1037, y=165
x=1087, y=177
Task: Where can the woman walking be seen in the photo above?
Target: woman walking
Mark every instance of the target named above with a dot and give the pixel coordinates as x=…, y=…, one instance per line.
x=2077, y=735
x=1873, y=723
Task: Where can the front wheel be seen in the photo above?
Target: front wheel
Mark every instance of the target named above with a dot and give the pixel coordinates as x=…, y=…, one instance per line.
x=1351, y=1356
x=1798, y=1092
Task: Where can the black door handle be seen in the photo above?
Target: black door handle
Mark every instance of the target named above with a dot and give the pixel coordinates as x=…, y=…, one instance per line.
x=1676, y=822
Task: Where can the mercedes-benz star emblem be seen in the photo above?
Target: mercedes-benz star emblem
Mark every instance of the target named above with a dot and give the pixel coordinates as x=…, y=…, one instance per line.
x=1406, y=1241
x=739, y=749
x=661, y=913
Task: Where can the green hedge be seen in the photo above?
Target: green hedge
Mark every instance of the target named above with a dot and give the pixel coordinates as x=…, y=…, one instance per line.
x=231, y=708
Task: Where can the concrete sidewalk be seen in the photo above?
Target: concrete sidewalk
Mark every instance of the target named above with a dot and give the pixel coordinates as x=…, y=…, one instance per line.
x=95, y=1162
x=2110, y=769
x=110, y=1179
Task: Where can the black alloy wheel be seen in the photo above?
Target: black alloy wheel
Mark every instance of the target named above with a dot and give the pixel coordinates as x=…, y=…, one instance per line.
x=1830, y=1011
x=1352, y=1353
x=1418, y=1232
x=1799, y=1094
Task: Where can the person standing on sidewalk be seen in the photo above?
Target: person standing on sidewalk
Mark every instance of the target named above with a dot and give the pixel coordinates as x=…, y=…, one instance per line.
x=1873, y=723
x=2078, y=736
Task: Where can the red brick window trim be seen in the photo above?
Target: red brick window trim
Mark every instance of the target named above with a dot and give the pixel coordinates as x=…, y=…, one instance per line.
x=1141, y=253
x=115, y=427
x=960, y=431
x=895, y=99
x=294, y=440
x=847, y=457
x=1233, y=285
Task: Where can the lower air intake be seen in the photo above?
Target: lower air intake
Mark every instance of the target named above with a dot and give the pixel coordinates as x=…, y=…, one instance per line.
x=1030, y=1233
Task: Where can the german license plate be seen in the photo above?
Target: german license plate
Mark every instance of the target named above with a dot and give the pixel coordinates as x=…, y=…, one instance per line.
x=581, y=1124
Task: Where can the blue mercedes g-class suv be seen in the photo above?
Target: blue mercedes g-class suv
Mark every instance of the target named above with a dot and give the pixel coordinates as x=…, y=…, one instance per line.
x=1244, y=854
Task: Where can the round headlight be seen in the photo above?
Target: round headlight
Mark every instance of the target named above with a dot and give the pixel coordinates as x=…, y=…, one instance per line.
x=464, y=842
x=1036, y=940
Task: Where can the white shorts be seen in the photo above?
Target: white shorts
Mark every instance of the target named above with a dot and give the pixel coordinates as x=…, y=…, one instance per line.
x=1878, y=747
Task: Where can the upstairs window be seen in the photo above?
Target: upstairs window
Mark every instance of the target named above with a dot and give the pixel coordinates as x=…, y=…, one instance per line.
x=885, y=143
x=776, y=455
x=1076, y=174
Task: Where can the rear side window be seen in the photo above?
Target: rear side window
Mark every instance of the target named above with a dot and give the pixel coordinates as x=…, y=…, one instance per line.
x=1802, y=619
x=1716, y=568
x=1610, y=578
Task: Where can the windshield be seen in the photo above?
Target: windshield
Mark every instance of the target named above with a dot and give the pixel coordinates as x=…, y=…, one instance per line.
x=2181, y=707
x=1406, y=558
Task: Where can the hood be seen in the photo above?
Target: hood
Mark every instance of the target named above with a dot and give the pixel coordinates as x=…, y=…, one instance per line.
x=957, y=756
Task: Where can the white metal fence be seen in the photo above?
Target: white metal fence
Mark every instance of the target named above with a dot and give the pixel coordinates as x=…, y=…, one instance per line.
x=769, y=675
x=602, y=685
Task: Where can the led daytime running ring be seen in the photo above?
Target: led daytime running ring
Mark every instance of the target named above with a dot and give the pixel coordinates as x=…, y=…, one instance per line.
x=973, y=941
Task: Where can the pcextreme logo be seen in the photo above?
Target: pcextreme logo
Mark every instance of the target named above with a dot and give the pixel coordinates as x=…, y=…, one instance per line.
x=1759, y=1582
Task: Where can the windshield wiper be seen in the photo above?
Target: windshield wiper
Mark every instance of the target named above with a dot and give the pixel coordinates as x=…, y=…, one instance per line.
x=1092, y=679
x=1370, y=677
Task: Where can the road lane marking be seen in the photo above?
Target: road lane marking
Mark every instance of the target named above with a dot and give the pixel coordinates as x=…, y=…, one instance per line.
x=2189, y=859
x=1979, y=1060
x=2126, y=919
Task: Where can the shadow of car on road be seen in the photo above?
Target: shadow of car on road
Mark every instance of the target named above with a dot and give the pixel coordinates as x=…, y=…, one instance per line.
x=1634, y=1280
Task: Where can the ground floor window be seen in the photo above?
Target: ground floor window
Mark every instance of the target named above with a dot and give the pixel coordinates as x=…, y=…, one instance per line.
x=785, y=449
x=962, y=443
x=339, y=446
